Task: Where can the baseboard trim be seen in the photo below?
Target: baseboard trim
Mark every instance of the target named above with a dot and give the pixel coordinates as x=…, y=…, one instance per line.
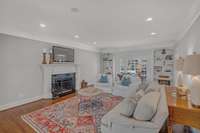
x=18, y=103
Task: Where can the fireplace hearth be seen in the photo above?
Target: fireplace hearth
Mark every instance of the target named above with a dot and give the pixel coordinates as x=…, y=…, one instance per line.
x=63, y=84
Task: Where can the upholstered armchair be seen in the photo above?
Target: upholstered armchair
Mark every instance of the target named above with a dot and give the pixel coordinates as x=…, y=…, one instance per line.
x=121, y=90
x=104, y=86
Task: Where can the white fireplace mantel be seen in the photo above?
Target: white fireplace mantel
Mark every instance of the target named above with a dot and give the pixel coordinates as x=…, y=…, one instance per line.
x=50, y=69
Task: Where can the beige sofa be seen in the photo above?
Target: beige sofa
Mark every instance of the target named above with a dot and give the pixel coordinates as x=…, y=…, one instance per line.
x=114, y=122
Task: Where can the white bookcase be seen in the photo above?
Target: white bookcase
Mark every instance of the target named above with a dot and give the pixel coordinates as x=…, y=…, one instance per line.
x=164, y=66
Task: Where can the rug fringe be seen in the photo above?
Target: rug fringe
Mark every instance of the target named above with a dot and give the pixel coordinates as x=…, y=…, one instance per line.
x=31, y=124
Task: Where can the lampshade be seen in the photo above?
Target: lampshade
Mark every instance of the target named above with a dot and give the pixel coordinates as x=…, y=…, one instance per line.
x=179, y=64
x=192, y=65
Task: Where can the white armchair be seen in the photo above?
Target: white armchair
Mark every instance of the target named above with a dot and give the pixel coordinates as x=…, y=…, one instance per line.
x=114, y=122
x=106, y=87
x=124, y=91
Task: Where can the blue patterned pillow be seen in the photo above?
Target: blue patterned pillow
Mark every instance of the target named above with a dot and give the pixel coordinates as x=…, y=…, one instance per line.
x=103, y=79
x=125, y=82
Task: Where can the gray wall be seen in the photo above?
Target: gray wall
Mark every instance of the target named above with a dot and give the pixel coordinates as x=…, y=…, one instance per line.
x=20, y=73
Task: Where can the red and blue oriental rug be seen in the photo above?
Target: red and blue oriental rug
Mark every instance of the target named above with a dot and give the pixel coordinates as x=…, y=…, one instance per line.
x=74, y=115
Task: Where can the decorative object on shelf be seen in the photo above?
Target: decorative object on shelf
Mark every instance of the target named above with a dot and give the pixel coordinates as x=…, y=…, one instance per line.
x=164, y=79
x=44, y=53
x=50, y=57
x=139, y=70
x=164, y=66
x=84, y=84
x=182, y=91
x=163, y=51
x=192, y=67
x=119, y=75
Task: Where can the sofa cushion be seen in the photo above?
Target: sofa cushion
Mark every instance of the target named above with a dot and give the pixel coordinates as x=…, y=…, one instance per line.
x=154, y=86
x=128, y=106
x=147, y=106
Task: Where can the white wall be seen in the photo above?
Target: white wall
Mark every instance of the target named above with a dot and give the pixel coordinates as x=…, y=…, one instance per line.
x=20, y=72
x=89, y=63
x=189, y=44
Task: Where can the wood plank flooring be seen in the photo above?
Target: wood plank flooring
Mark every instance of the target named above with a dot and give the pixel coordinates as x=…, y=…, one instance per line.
x=11, y=122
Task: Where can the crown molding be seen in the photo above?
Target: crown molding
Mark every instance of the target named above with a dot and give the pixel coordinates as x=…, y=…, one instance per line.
x=166, y=44
x=194, y=16
x=65, y=43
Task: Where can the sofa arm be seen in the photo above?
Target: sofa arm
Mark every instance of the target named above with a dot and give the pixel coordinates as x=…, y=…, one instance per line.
x=132, y=123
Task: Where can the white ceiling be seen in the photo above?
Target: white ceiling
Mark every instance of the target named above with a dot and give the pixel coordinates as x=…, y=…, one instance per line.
x=110, y=23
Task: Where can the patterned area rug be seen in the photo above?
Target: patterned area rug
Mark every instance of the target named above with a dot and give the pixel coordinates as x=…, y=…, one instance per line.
x=75, y=115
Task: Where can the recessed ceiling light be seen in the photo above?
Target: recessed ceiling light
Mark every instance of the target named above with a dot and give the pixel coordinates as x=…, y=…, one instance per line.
x=76, y=36
x=74, y=9
x=42, y=25
x=153, y=33
x=94, y=42
x=149, y=19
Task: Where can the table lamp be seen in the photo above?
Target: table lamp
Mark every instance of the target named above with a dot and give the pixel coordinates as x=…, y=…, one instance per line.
x=192, y=67
x=179, y=68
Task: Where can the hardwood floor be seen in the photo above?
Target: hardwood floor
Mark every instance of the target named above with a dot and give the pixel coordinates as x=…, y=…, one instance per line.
x=11, y=122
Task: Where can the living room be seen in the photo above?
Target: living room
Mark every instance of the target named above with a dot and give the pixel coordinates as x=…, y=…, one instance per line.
x=99, y=66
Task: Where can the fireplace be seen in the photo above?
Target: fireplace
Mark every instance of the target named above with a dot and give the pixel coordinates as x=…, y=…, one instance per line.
x=63, y=84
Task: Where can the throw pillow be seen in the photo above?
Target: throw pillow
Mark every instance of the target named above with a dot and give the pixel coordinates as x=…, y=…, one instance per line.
x=147, y=106
x=103, y=79
x=143, y=86
x=128, y=107
x=125, y=81
x=136, y=96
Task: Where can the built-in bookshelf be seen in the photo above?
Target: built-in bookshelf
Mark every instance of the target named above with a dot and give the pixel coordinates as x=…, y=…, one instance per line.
x=135, y=68
x=107, y=59
x=164, y=66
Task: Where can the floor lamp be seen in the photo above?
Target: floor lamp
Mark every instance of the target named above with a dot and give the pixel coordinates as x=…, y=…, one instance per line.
x=192, y=67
